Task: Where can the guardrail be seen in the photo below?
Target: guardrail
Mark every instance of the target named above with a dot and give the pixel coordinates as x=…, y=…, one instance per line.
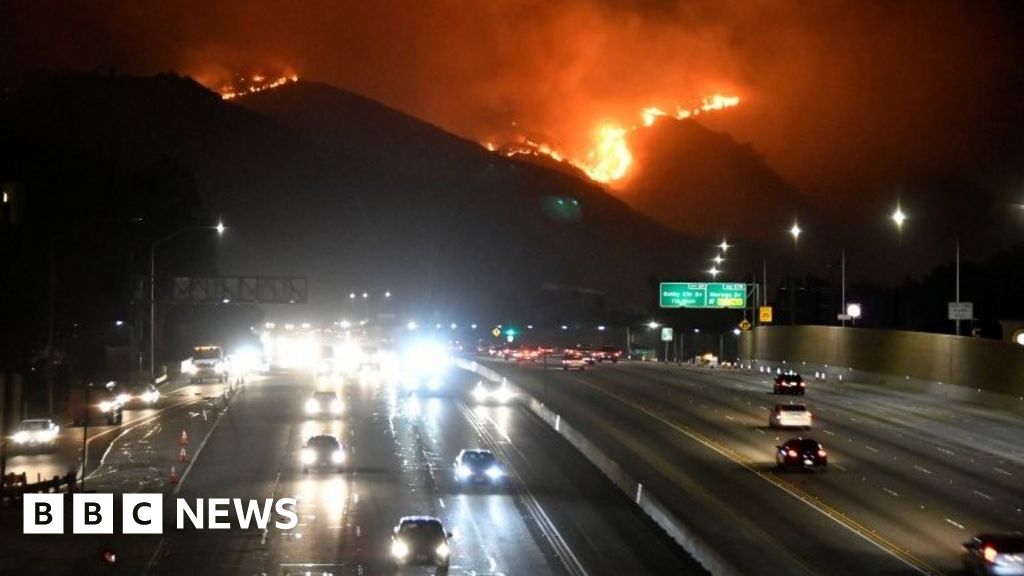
x=649, y=503
x=14, y=486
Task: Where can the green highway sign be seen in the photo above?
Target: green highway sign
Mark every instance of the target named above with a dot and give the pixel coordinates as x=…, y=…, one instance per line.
x=702, y=295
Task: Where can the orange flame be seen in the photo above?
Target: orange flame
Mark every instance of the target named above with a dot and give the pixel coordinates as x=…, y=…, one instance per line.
x=257, y=83
x=609, y=159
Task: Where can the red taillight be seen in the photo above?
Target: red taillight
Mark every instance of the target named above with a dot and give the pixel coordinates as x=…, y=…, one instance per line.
x=791, y=453
x=989, y=553
x=822, y=453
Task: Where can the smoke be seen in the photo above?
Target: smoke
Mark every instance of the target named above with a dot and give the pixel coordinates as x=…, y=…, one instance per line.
x=843, y=98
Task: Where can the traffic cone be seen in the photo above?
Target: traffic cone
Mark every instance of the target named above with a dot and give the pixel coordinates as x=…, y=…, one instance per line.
x=174, y=476
x=184, y=437
x=183, y=455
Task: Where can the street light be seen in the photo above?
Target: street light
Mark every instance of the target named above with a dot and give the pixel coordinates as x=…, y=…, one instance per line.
x=795, y=231
x=653, y=325
x=898, y=217
x=714, y=271
x=718, y=259
x=220, y=228
x=724, y=246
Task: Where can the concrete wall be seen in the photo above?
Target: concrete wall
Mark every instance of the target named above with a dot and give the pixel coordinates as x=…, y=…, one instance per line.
x=988, y=365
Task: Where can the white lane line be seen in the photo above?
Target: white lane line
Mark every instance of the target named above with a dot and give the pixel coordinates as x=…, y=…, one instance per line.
x=195, y=457
x=945, y=451
x=273, y=494
x=920, y=469
x=955, y=523
x=441, y=502
x=891, y=492
x=1001, y=471
x=839, y=466
x=759, y=430
x=829, y=432
x=875, y=450
x=983, y=495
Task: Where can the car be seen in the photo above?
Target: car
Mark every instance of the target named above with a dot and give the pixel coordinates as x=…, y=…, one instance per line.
x=36, y=433
x=421, y=541
x=478, y=465
x=491, y=393
x=608, y=354
x=789, y=383
x=322, y=451
x=145, y=393
x=324, y=402
x=992, y=554
x=802, y=453
x=86, y=403
x=790, y=416
x=587, y=351
x=573, y=360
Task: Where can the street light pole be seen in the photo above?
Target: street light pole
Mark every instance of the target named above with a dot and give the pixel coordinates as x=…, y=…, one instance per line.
x=958, y=283
x=842, y=311
x=152, y=286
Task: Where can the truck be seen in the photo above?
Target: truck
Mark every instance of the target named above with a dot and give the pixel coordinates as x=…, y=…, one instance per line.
x=207, y=364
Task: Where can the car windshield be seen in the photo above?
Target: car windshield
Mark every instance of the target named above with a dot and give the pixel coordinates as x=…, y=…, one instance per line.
x=803, y=445
x=35, y=425
x=324, y=395
x=478, y=459
x=793, y=408
x=323, y=442
x=422, y=533
x=207, y=354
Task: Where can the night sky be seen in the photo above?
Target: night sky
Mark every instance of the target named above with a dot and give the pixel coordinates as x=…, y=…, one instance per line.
x=858, y=104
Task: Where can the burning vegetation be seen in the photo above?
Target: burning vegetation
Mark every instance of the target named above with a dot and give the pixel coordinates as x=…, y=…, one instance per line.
x=609, y=159
x=251, y=84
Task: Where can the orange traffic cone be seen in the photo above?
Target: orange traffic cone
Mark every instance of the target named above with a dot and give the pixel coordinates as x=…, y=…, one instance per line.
x=174, y=476
x=183, y=455
x=184, y=437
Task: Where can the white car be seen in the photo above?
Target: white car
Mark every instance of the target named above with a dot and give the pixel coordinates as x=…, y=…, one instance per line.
x=790, y=416
x=491, y=393
x=36, y=433
x=324, y=403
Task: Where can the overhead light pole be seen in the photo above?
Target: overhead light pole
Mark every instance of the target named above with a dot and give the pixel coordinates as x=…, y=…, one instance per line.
x=220, y=228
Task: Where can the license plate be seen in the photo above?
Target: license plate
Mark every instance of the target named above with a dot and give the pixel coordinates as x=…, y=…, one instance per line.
x=808, y=462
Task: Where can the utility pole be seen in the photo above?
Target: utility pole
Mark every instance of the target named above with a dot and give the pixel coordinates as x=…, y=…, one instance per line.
x=958, y=282
x=842, y=311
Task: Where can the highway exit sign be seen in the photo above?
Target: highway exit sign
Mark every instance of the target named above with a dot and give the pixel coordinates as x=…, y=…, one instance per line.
x=702, y=295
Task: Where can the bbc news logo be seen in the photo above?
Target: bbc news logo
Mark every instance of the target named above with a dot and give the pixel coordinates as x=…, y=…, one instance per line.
x=144, y=514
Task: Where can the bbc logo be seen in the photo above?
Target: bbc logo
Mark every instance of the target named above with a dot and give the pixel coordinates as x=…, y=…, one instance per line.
x=93, y=514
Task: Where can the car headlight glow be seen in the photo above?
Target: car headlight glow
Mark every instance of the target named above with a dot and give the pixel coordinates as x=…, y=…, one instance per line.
x=123, y=398
x=336, y=406
x=192, y=369
x=312, y=406
x=463, y=471
x=106, y=406
x=442, y=550
x=21, y=437
x=151, y=396
x=504, y=394
x=399, y=549
x=479, y=393
x=494, y=473
x=338, y=456
x=308, y=456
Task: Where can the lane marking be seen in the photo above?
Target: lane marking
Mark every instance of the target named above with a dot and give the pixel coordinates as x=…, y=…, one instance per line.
x=1001, y=471
x=955, y=523
x=195, y=457
x=840, y=518
x=875, y=450
x=829, y=432
x=920, y=469
x=893, y=493
x=983, y=495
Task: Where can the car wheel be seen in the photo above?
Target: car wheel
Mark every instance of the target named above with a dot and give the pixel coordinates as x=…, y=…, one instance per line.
x=565, y=367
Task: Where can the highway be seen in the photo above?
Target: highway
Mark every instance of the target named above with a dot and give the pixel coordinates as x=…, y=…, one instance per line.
x=911, y=477
x=558, y=516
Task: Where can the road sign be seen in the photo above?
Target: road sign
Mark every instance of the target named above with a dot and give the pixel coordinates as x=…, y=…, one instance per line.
x=765, y=314
x=745, y=325
x=961, y=310
x=496, y=332
x=666, y=334
x=702, y=295
x=844, y=317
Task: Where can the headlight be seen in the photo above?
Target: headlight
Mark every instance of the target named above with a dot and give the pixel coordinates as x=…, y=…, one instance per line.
x=338, y=456
x=336, y=406
x=308, y=456
x=463, y=471
x=442, y=550
x=151, y=396
x=105, y=406
x=21, y=437
x=123, y=398
x=479, y=394
x=399, y=549
x=504, y=394
x=192, y=369
x=219, y=367
x=494, y=473
x=312, y=406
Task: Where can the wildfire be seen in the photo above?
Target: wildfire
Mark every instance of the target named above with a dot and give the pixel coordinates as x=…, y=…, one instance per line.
x=253, y=84
x=610, y=158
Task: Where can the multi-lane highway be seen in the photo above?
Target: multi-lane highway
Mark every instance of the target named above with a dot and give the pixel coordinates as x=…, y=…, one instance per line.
x=911, y=476
x=558, y=516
